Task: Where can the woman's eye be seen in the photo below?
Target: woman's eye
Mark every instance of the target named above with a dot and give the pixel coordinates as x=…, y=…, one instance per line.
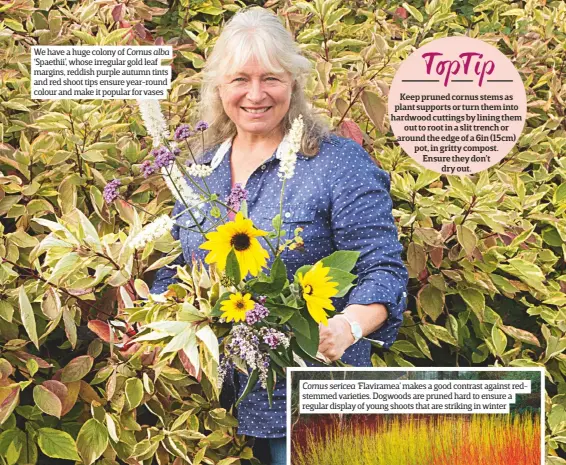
x=271, y=78
x=238, y=79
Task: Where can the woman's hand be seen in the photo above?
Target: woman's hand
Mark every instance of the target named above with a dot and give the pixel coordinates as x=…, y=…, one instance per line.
x=335, y=338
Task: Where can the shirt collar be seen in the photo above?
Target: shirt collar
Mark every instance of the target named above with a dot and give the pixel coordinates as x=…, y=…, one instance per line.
x=226, y=147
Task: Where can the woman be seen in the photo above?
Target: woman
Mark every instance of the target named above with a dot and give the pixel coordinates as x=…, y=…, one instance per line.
x=252, y=92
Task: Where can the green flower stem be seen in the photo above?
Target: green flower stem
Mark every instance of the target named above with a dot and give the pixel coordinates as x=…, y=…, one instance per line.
x=138, y=207
x=195, y=160
x=280, y=215
x=273, y=250
x=208, y=194
x=188, y=208
x=196, y=184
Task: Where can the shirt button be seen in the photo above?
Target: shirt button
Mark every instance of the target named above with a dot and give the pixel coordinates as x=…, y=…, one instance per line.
x=287, y=214
x=404, y=294
x=263, y=167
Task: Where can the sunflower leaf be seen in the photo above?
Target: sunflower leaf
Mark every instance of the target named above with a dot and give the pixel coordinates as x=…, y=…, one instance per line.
x=296, y=348
x=285, y=312
x=233, y=267
x=274, y=284
x=343, y=278
x=344, y=260
x=300, y=324
x=309, y=343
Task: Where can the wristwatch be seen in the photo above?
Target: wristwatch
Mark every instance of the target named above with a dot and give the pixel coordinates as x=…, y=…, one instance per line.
x=354, y=327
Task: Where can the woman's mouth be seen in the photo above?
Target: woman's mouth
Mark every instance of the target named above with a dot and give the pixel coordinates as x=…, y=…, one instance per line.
x=255, y=111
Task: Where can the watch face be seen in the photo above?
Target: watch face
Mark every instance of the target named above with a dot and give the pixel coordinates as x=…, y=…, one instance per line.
x=356, y=331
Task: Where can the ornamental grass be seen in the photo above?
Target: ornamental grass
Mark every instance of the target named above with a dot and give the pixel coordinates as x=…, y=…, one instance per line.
x=421, y=440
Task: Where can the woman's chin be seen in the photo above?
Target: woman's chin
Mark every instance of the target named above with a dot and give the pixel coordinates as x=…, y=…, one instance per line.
x=256, y=128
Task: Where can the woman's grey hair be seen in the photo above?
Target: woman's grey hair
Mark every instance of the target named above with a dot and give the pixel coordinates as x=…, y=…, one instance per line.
x=258, y=33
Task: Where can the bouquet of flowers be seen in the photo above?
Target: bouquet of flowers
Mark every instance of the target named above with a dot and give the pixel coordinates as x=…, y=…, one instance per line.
x=239, y=311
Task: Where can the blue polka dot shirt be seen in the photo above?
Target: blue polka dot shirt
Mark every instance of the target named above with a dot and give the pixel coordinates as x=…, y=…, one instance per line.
x=341, y=199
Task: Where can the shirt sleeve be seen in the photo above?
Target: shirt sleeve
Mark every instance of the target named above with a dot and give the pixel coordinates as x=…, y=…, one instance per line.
x=165, y=276
x=361, y=220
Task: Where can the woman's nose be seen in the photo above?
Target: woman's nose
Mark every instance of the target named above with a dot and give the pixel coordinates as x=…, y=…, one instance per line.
x=255, y=91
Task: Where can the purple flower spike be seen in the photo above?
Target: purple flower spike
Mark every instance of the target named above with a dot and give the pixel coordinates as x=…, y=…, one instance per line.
x=111, y=191
x=201, y=126
x=183, y=132
x=237, y=195
x=163, y=157
x=147, y=169
x=258, y=313
x=272, y=340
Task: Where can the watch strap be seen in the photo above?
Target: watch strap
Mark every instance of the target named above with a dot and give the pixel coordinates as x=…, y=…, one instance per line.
x=355, y=328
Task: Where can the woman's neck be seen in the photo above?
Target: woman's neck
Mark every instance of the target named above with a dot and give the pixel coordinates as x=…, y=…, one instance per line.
x=256, y=146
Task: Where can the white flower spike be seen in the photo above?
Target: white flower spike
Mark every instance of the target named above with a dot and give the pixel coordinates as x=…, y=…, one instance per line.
x=290, y=145
x=153, y=231
x=154, y=121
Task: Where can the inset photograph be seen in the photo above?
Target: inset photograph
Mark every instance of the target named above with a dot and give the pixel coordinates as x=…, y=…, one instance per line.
x=415, y=416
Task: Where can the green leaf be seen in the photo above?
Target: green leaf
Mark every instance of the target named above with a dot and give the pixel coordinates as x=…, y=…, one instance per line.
x=11, y=443
x=28, y=318
x=499, y=340
x=93, y=156
x=14, y=25
x=309, y=343
x=344, y=260
x=278, y=274
x=51, y=304
x=209, y=339
x=527, y=272
x=273, y=285
x=179, y=341
x=431, y=301
x=6, y=311
x=559, y=194
x=57, y=444
x=113, y=431
x=344, y=280
x=413, y=12
x=521, y=335
x=475, y=301
x=77, y=369
x=92, y=441
x=406, y=347
x=467, y=239
x=252, y=380
x=423, y=346
x=299, y=324
x=134, y=392
x=47, y=402
x=32, y=366
x=375, y=108
x=434, y=332
x=233, y=267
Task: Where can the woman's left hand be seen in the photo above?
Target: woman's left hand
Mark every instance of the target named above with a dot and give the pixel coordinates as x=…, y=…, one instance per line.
x=335, y=338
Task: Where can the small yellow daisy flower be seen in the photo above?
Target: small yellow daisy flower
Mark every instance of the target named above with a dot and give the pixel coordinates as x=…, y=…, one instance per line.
x=242, y=235
x=317, y=291
x=235, y=308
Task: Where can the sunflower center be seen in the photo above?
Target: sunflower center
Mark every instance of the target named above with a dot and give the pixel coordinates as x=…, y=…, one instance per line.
x=308, y=289
x=240, y=241
x=240, y=305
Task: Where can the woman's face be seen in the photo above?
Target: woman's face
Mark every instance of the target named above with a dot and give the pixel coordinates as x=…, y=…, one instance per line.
x=255, y=99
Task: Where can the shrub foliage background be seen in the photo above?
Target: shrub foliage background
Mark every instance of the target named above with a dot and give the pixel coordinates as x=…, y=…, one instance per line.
x=486, y=253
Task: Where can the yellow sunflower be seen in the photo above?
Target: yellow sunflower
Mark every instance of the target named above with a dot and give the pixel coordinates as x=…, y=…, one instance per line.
x=242, y=236
x=317, y=291
x=235, y=308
